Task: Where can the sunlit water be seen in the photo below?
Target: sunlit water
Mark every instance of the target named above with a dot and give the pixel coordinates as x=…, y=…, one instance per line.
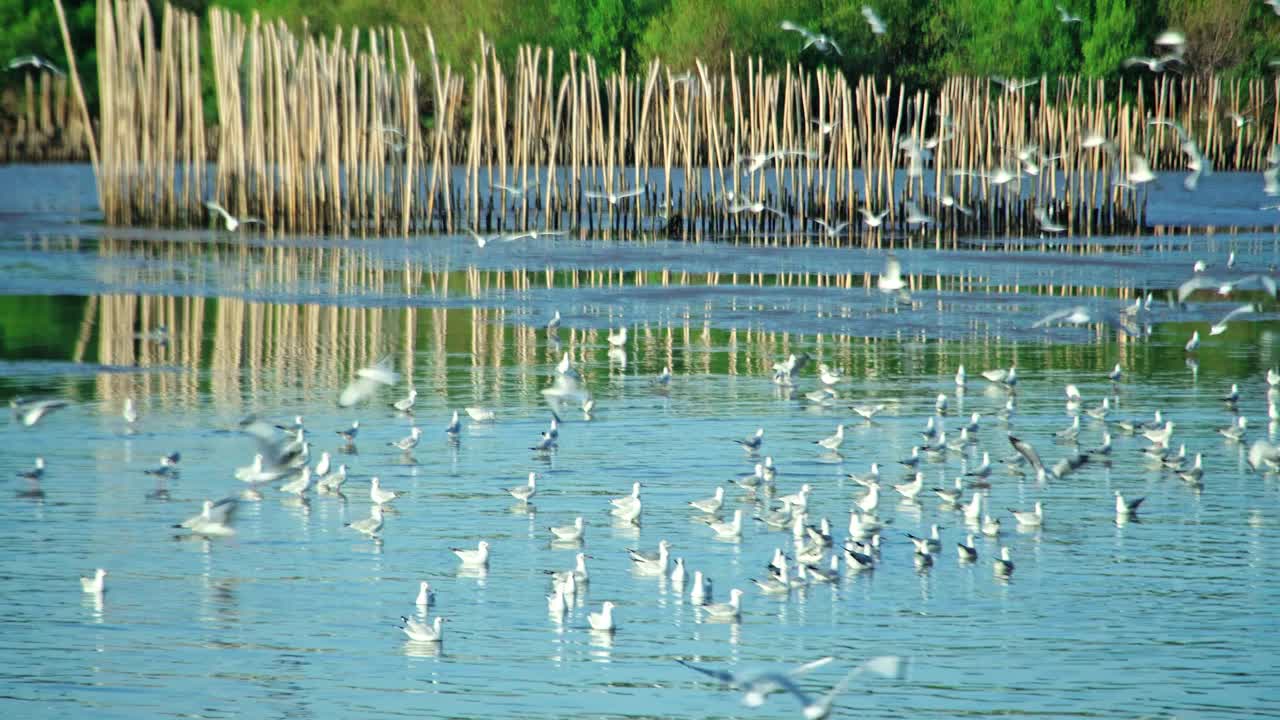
x=296, y=615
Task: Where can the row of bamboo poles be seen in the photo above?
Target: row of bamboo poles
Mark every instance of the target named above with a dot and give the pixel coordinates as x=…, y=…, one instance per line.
x=40, y=123
x=344, y=135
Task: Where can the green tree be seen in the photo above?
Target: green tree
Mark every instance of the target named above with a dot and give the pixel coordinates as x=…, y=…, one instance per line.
x=1112, y=37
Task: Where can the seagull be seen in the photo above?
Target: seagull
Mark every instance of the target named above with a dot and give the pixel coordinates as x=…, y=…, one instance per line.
x=577, y=576
x=829, y=376
x=1029, y=453
x=523, y=493
x=798, y=500
x=1154, y=64
x=754, y=208
x=419, y=631
x=130, y=412
x=1140, y=171
x=333, y=482
x=729, y=530
x=818, y=41
x=214, y=518
x=910, y=490
x=603, y=620
x=371, y=525
x=1116, y=373
x=891, y=280
x=478, y=558
x=1221, y=326
x=300, y=485
x=754, y=682
x=1030, y=518
x=533, y=234
x=1047, y=224
x=406, y=404
x=481, y=240
x=1012, y=85
x=628, y=501
x=619, y=338
x=819, y=708
x=1194, y=343
x=948, y=200
x=990, y=526
x=929, y=545
x=425, y=596
x=1003, y=566
x=752, y=443
x=1001, y=376
x=873, y=20
x=168, y=466
x=651, y=563
x=916, y=216
x=30, y=412
x=612, y=197
x=873, y=220
x=754, y=164
x=869, y=479
x=983, y=470
x=867, y=412
x=380, y=496
x=35, y=62
x=1235, y=432
x=569, y=533
x=1126, y=509
x=1159, y=436
x=547, y=443
x=825, y=128
x=731, y=611
x=454, y=426
x=1232, y=397
x=367, y=381
x=710, y=505
x=832, y=442
x=517, y=190
x=1196, y=472
x=700, y=593
x=35, y=473
x=232, y=223
x=408, y=442
x=96, y=584
x=480, y=414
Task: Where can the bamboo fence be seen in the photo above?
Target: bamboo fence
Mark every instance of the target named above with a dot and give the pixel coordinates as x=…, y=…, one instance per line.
x=343, y=135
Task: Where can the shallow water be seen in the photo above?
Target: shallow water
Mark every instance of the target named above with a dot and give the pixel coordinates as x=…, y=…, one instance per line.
x=296, y=614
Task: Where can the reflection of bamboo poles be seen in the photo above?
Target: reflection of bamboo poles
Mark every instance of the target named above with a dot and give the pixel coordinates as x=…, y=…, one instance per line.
x=265, y=355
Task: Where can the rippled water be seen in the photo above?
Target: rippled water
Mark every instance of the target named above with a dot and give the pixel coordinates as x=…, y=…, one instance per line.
x=296, y=614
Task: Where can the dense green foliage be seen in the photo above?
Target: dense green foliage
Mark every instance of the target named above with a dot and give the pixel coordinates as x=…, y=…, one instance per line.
x=926, y=40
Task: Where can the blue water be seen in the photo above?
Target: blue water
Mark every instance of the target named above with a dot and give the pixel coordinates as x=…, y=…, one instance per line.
x=296, y=615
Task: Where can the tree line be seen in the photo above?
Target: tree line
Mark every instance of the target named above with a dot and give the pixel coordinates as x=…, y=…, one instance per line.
x=924, y=41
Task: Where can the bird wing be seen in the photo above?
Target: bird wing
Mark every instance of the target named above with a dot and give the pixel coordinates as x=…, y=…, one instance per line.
x=1025, y=450
x=224, y=510
x=631, y=193
x=1055, y=315
x=1242, y=310
x=215, y=207
x=809, y=666
x=722, y=676
x=892, y=268
x=1199, y=282
x=380, y=372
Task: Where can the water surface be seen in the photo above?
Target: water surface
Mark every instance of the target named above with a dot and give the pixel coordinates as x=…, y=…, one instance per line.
x=296, y=614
